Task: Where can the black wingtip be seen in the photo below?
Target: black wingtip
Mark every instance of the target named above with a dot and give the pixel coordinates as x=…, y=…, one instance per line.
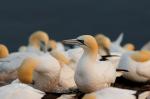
x=119, y=70
x=141, y=91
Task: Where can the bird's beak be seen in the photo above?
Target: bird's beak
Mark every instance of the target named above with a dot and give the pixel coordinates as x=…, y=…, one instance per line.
x=71, y=42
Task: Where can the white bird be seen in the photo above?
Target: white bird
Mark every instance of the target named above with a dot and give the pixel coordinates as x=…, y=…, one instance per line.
x=9, y=64
x=104, y=44
x=36, y=40
x=116, y=93
x=92, y=74
x=41, y=72
x=20, y=91
x=74, y=55
x=4, y=52
x=67, y=74
x=138, y=63
x=146, y=46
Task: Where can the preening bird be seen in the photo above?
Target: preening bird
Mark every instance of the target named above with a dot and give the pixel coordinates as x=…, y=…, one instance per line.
x=67, y=74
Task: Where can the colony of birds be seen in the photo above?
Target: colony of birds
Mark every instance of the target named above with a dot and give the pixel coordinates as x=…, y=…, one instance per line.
x=88, y=69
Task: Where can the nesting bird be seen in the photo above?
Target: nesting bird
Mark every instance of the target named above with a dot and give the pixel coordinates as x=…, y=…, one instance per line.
x=9, y=64
x=40, y=72
x=138, y=63
x=20, y=91
x=116, y=93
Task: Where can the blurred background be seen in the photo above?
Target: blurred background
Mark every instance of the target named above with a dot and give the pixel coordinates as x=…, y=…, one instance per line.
x=64, y=19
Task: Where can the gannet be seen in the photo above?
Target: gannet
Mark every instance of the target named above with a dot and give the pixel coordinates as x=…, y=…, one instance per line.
x=67, y=74
x=116, y=93
x=20, y=91
x=104, y=44
x=138, y=63
x=9, y=64
x=35, y=41
x=40, y=72
x=4, y=52
x=91, y=74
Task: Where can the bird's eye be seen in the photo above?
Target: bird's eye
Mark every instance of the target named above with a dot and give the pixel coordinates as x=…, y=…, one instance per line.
x=49, y=49
x=81, y=41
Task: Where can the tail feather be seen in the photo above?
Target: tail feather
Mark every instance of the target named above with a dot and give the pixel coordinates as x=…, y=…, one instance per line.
x=119, y=39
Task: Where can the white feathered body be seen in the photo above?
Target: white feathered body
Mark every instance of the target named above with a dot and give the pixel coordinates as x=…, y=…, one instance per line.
x=138, y=71
x=20, y=91
x=91, y=76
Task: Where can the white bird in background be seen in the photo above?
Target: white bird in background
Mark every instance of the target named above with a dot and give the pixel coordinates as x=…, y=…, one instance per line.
x=4, y=78
x=9, y=64
x=74, y=55
x=92, y=74
x=20, y=91
x=67, y=74
x=104, y=44
x=129, y=47
x=116, y=93
x=35, y=41
x=138, y=64
x=109, y=47
x=146, y=46
x=22, y=48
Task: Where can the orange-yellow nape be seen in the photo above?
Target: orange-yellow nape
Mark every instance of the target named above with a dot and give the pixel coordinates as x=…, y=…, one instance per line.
x=3, y=51
x=25, y=71
x=129, y=46
x=89, y=96
x=103, y=41
x=38, y=36
x=90, y=42
x=141, y=56
x=52, y=44
x=60, y=57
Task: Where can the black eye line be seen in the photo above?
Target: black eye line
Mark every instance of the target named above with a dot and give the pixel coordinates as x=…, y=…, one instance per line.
x=81, y=41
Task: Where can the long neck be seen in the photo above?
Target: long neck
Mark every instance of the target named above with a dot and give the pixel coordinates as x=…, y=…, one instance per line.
x=91, y=53
x=60, y=56
x=25, y=71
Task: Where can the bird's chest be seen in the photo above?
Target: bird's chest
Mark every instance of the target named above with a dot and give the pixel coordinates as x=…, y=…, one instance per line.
x=84, y=73
x=45, y=82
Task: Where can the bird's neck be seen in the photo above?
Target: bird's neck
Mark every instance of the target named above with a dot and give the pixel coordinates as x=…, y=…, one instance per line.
x=91, y=54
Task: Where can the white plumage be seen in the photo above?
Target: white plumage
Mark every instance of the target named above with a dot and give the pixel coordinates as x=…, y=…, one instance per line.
x=20, y=91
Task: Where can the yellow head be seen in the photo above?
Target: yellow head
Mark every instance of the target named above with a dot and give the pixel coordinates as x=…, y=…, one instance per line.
x=3, y=51
x=90, y=96
x=37, y=37
x=25, y=71
x=129, y=46
x=103, y=41
x=141, y=56
x=87, y=42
